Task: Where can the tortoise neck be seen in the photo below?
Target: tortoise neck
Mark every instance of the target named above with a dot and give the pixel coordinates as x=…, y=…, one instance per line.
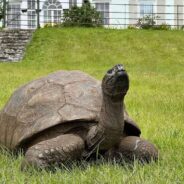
x=111, y=119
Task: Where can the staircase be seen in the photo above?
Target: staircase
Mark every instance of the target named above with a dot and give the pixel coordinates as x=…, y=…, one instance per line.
x=13, y=44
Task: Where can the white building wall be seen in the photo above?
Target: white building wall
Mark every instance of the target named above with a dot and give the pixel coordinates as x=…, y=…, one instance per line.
x=134, y=9
x=64, y=3
x=161, y=12
x=119, y=11
x=24, y=22
x=180, y=16
x=170, y=12
x=24, y=16
x=119, y=14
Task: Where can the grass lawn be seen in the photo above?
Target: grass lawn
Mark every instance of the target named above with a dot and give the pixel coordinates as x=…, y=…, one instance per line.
x=155, y=63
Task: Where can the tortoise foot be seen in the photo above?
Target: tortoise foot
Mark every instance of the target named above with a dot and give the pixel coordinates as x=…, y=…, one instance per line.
x=133, y=148
x=53, y=152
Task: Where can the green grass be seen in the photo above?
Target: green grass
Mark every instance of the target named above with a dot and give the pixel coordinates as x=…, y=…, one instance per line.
x=155, y=63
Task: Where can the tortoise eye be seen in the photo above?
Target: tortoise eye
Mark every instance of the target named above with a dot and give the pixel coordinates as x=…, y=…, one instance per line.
x=110, y=72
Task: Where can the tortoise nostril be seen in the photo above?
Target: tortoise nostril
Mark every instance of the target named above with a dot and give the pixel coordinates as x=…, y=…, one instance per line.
x=120, y=67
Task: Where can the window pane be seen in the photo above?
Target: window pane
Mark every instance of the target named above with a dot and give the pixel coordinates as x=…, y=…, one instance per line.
x=52, y=7
x=149, y=9
x=146, y=8
x=103, y=8
x=13, y=16
x=107, y=6
x=31, y=19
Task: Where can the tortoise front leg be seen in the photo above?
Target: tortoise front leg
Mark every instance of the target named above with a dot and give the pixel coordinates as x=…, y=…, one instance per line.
x=133, y=148
x=54, y=152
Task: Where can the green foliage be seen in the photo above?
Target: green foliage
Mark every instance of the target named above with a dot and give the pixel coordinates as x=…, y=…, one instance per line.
x=146, y=22
x=162, y=27
x=182, y=27
x=149, y=22
x=84, y=16
x=154, y=61
x=132, y=27
x=50, y=25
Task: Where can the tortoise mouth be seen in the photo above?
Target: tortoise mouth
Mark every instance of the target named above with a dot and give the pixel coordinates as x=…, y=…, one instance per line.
x=122, y=81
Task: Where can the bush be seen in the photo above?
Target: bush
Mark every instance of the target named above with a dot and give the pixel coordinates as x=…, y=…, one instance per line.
x=132, y=27
x=182, y=27
x=163, y=26
x=149, y=22
x=84, y=16
x=49, y=25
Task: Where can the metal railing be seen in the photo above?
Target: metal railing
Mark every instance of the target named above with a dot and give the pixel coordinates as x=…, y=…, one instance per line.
x=39, y=13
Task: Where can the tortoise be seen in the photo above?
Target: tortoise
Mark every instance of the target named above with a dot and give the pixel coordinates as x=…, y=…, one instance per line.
x=68, y=115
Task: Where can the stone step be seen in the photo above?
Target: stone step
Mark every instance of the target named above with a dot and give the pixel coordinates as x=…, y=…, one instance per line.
x=12, y=33
x=20, y=31
x=3, y=58
x=11, y=52
x=9, y=40
x=13, y=43
x=16, y=49
x=15, y=34
x=22, y=37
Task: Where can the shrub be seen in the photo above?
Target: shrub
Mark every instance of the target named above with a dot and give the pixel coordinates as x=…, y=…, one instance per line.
x=84, y=16
x=182, y=27
x=132, y=27
x=149, y=22
x=146, y=22
x=163, y=26
x=49, y=25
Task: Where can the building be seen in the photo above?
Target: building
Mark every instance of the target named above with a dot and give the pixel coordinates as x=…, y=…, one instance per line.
x=116, y=13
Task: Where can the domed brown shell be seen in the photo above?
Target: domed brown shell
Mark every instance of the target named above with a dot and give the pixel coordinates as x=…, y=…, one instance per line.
x=58, y=98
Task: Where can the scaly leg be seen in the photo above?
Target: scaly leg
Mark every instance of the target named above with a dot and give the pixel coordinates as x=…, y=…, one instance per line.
x=54, y=151
x=133, y=148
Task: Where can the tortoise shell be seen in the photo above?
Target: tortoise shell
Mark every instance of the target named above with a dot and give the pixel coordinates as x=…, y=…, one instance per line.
x=57, y=98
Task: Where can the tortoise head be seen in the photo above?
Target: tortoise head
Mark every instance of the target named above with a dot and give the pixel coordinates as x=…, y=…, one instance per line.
x=115, y=82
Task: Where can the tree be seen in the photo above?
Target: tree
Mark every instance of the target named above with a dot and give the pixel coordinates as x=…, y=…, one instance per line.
x=84, y=16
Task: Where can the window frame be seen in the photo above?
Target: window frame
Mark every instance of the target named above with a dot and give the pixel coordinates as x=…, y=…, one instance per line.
x=14, y=15
x=104, y=9
x=31, y=14
x=52, y=12
x=147, y=7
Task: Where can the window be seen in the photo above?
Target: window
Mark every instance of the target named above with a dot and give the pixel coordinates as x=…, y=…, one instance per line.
x=31, y=19
x=13, y=16
x=31, y=4
x=52, y=12
x=146, y=8
x=103, y=8
x=31, y=13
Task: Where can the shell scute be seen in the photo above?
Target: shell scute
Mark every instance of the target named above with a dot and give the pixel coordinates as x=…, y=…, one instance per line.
x=47, y=99
x=51, y=100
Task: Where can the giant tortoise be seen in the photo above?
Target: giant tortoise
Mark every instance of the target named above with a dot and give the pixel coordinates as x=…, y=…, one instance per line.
x=68, y=115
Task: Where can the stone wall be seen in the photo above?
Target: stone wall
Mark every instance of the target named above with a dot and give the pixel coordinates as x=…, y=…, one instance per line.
x=13, y=44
